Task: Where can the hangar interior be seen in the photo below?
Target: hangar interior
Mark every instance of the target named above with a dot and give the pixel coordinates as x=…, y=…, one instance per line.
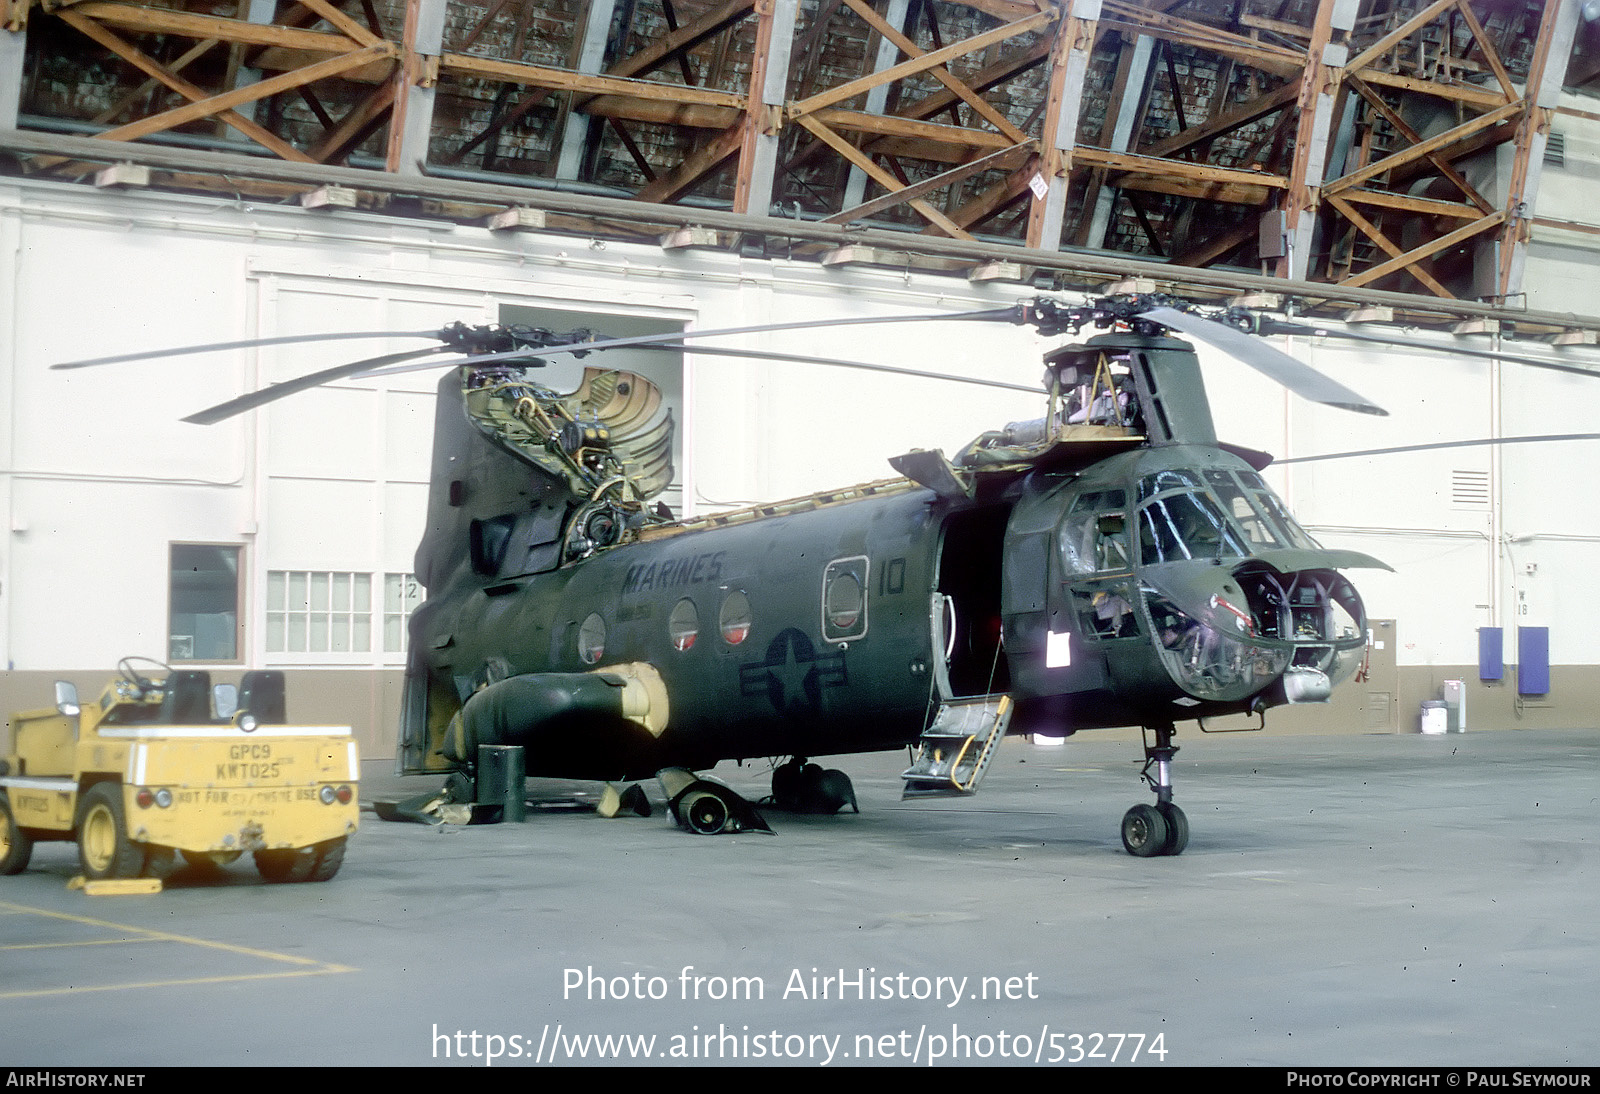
x=195, y=171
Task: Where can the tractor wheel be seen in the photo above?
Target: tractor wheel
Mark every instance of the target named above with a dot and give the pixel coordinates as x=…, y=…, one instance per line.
x=330, y=856
x=285, y=865
x=16, y=846
x=104, y=849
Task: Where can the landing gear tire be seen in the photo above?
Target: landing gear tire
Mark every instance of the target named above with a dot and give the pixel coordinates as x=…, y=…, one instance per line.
x=802, y=787
x=104, y=849
x=16, y=846
x=1177, y=828
x=1144, y=831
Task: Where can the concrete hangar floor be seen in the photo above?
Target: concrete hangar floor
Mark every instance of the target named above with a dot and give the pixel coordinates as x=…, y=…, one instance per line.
x=1354, y=900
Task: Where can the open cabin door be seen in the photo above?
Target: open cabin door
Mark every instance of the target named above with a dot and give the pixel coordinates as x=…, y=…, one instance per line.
x=971, y=672
x=965, y=614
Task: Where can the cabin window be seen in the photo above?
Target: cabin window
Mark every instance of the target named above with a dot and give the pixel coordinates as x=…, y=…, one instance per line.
x=844, y=599
x=734, y=619
x=683, y=625
x=592, y=639
x=1106, y=612
x=1093, y=536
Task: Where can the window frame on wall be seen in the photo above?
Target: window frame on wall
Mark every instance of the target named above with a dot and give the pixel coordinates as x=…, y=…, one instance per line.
x=195, y=655
x=292, y=603
x=292, y=611
x=411, y=596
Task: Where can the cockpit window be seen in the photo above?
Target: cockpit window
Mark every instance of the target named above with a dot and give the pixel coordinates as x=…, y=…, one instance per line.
x=1296, y=535
x=1093, y=537
x=1173, y=479
x=1255, y=524
x=1185, y=526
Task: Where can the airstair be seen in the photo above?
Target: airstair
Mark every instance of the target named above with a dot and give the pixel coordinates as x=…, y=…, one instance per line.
x=956, y=749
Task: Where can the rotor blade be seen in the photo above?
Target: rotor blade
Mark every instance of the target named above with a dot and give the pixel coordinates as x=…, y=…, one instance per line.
x=1480, y=442
x=1277, y=326
x=710, y=351
x=248, y=343
x=1299, y=378
x=388, y=363
x=714, y=351
x=642, y=340
x=274, y=392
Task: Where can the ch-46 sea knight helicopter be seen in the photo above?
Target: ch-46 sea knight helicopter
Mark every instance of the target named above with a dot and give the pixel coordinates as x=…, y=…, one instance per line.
x=1108, y=564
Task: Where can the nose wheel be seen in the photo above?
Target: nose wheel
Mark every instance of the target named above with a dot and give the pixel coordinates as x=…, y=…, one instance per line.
x=1162, y=828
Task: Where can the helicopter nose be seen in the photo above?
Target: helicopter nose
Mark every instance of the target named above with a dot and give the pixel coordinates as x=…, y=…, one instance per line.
x=1211, y=649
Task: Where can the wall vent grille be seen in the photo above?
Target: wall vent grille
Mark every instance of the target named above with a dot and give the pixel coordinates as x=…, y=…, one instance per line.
x=1469, y=489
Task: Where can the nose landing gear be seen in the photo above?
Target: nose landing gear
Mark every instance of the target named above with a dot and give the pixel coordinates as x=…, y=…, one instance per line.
x=1160, y=829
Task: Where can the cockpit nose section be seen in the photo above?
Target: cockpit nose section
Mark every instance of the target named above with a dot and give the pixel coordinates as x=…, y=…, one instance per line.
x=1206, y=636
x=1225, y=634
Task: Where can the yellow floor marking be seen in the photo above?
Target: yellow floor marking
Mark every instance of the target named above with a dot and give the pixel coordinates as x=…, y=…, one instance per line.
x=312, y=967
x=70, y=945
x=327, y=970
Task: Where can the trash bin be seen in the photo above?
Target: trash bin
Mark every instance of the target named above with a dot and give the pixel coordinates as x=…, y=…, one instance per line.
x=1454, y=694
x=1434, y=716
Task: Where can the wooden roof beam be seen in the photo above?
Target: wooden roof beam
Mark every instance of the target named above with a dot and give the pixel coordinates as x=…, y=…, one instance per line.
x=560, y=79
x=855, y=156
x=763, y=117
x=1418, y=151
x=1317, y=90
x=188, y=25
x=703, y=161
x=852, y=88
x=1004, y=158
x=941, y=73
x=138, y=59
x=1412, y=257
x=1372, y=232
x=1241, y=115
x=1058, y=134
x=1006, y=68
x=686, y=37
x=1401, y=126
x=1551, y=53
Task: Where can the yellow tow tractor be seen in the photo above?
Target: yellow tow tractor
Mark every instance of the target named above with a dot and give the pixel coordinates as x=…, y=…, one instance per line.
x=166, y=765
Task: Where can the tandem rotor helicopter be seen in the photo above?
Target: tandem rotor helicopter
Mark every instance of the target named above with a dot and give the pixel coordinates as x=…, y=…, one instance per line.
x=1111, y=563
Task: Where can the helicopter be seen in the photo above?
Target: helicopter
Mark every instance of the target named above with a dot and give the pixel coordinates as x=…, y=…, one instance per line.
x=1111, y=563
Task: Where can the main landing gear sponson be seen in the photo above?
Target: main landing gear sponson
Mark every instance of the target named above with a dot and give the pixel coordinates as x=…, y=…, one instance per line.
x=799, y=786
x=1159, y=829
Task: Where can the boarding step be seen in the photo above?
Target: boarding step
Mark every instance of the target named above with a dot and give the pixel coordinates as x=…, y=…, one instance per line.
x=956, y=749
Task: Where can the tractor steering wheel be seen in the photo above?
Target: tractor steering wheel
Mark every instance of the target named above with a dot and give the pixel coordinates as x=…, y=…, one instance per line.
x=137, y=680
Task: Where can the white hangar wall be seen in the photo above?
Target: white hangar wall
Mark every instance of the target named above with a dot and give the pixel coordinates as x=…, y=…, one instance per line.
x=323, y=495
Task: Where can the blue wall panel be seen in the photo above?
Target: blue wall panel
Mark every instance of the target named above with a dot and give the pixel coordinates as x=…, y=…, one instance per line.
x=1533, y=660
x=1491, y=653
